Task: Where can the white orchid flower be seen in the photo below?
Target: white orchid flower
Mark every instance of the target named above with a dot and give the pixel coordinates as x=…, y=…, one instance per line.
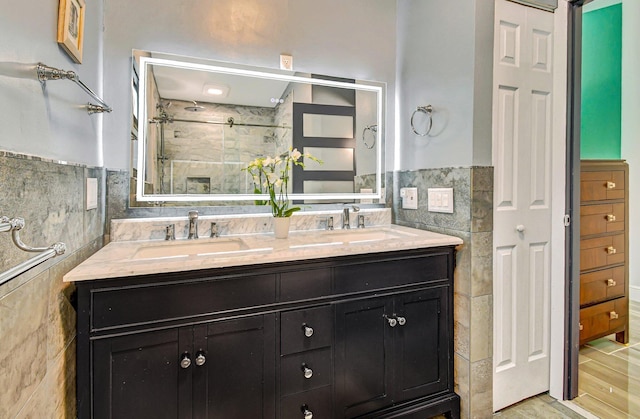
x=295, y=154
x=272, y=178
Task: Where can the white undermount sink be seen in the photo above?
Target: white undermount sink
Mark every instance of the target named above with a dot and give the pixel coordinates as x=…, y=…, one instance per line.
x=181, y=248
x=355, y=236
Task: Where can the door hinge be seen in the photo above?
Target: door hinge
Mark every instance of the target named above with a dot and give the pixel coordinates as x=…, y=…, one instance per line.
x=567, y=220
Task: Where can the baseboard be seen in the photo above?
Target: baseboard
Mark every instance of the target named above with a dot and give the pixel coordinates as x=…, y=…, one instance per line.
x=634, y=293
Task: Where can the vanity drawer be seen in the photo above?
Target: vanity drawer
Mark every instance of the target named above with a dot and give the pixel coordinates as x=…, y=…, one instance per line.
x=602, y=285
x=603, y=319
x=602, y=251
x=601, y=185
x=601, y=218
x=318, y=402
x=139, y=305
x=391, y=273
x=304, y=284
x=302, y=330
x=292, y=371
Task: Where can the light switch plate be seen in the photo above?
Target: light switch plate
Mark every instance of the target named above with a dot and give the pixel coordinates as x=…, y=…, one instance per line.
x=440, y=200
x=92, y=193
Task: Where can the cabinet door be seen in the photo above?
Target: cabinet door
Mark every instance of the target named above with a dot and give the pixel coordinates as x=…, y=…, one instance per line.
x=129, y=371
x=237, y=380
x=363, y=354
x=422, y=343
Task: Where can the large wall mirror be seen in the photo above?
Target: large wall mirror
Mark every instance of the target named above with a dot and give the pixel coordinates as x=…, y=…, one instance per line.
x=199, y=123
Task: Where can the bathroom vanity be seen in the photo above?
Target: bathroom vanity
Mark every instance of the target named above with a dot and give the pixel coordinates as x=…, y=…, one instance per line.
x=358, y=325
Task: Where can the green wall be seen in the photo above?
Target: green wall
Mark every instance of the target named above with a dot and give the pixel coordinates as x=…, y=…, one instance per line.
x=601, y=83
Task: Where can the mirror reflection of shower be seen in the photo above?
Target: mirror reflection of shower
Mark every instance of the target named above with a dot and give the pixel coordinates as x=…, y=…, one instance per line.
x=206, y=154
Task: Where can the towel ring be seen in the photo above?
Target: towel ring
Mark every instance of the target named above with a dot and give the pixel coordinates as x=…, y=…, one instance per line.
x=374, y=129
x=426, y=110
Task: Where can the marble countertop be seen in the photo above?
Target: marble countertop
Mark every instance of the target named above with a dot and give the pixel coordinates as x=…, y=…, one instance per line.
x=131, y=258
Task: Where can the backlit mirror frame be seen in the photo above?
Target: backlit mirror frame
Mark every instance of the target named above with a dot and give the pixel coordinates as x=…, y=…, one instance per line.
x=144, y=63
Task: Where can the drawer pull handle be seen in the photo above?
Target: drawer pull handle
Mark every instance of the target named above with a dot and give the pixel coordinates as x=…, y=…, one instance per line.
x=308, y=330
x=581, y=326
x=613, y=315
x=611, y=217
x=185, y=360
x=306, y=413
x=611, y=185
x=308, y=372
x=611, y=250
x=200, y=358
x=611, y=282
x=402, y=321
x=391, y=320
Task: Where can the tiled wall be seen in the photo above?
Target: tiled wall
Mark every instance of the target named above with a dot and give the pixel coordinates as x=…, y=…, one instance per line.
x=37, y=316
x=472, y=221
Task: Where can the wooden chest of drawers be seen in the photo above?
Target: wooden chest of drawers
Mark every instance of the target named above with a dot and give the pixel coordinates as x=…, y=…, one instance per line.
x=604, y=240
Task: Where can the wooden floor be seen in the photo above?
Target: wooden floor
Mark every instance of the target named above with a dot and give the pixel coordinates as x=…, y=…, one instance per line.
x=609, y=374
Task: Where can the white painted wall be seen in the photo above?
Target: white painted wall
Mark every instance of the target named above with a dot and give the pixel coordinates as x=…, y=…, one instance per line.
x=49, y=123
x=631, y=130
x=354, y=38
x=444, y=59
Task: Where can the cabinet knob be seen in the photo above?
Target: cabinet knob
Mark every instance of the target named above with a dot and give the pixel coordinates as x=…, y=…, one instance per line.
x=185, y=360
x=391, y=320
x=613, y=315
x=520, y=228
x=611, y=250
x=308, y=330
x=308, y=372
x=402, y=321
x=611, y=185
x=611, y=282
x=610, y=217
x=306, y=413
x=580, y=326
x=200, y=358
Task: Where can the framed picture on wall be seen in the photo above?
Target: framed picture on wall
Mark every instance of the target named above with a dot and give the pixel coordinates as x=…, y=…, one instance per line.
x=71, y=27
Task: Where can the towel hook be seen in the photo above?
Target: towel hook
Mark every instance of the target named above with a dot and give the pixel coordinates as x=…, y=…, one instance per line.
x=428, y=110
x=374, y=130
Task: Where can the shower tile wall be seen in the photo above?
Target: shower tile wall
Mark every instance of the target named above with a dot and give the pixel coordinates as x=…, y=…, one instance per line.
x=37, y=319
x=472, y=221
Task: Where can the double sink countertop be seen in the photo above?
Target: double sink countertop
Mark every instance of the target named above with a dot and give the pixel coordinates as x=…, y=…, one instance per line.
x=131, y=258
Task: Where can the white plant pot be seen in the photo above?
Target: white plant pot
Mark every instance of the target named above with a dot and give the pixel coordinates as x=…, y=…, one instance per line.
x=281, y=227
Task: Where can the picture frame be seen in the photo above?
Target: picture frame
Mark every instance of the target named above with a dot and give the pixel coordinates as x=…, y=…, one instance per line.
x=71, y=27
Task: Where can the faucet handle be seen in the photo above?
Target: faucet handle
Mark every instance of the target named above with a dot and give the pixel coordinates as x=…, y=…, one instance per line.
x=329, y=223
x=170, y=232
x=360, y=221
x=193, y=214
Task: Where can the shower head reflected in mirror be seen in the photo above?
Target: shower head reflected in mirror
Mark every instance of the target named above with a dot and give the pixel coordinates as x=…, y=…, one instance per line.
x=195, y=107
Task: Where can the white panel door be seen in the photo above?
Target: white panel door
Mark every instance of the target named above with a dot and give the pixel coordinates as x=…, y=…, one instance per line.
x=522, y=123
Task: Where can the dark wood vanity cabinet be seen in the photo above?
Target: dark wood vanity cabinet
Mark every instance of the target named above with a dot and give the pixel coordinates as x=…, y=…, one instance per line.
x=366, y=336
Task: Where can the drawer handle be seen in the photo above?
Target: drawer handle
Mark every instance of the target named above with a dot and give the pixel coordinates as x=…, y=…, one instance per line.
x=611, y=282
x=185, y=360
x=391, y=320
x=611, y=250
x=611, y=185
x=308, y=372
x=581, y=326
x=306, y=413
x=402, y=321
x=200, y=358
x=613, y=315
x=610, y=217
x=308, y=330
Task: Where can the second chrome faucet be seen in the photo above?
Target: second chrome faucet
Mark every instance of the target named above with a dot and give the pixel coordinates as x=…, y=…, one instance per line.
x=193, y=225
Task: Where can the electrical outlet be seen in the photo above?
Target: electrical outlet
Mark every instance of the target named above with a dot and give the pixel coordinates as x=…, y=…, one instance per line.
x=440, y=200
x=286, y=62
x=409, y=198
x=92, y=193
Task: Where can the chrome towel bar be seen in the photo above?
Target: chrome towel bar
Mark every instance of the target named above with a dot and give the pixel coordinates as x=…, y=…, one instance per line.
x=14, y=225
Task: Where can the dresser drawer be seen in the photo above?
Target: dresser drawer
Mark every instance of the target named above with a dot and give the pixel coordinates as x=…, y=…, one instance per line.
x=602, y=285
x=601, y=218
x=303, y=330
x=318, y=403
x=317, y=366
x=602, y=251
x=603, y=319
x=601, y=185
x=304, y=284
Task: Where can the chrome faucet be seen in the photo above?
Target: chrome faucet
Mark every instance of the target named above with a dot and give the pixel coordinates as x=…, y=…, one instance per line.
x=193, y=225
x=170, y=232
x=345, y=216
